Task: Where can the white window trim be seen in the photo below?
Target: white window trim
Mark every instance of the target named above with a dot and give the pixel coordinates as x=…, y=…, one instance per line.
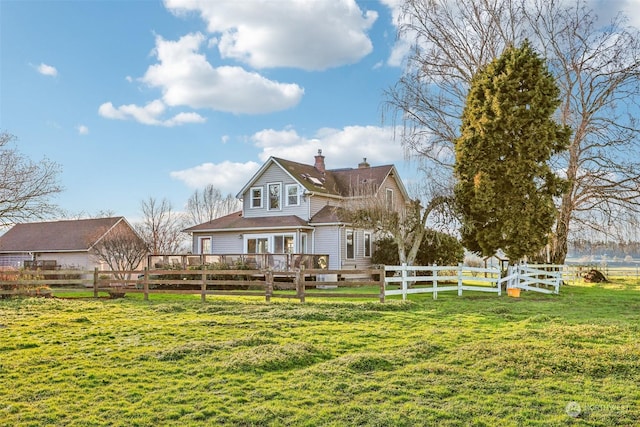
x=251, y=205
x=269, y=208
x=364, y=244
x=389, y=199
x=346, y=244
x=200, y=248
x=286, y=190
x=270, y=240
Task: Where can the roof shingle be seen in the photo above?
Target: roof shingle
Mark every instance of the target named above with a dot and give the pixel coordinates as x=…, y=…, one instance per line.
x=56, y=236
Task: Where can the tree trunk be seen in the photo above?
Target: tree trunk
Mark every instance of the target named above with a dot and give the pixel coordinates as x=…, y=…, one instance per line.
x=561, y=236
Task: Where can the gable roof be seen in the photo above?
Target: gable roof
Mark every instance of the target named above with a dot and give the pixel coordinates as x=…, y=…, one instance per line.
x=333, y=182
x=236, y=222
x=57, y=236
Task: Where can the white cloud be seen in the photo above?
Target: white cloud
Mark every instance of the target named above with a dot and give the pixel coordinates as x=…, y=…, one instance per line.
x=187, y=78
x=341, y=147
x=402, y=46
x=149, y=114
x=228, y=177
x=82, y=130
x=47, y=70
x=606, y=10
x=311, y=35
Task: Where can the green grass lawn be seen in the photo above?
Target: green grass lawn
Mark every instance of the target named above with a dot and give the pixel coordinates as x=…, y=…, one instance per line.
x=478, y=360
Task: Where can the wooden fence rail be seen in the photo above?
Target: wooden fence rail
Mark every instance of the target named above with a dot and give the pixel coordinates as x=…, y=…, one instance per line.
x=300, y=284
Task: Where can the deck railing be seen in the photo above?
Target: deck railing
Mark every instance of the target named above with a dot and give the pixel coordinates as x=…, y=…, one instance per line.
x=275, y=262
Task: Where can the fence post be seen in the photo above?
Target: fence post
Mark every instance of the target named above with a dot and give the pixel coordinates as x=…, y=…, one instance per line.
x=459, y=279
x=499, y=282
x=145, y=284
x=203, y=286
x=404, y=281
x=434, y=274
x=300, y=285
x=382, y=284
x=95, y=282
x=268, y=277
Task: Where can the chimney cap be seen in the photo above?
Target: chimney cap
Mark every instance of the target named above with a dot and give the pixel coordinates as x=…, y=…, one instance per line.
x=363, y=164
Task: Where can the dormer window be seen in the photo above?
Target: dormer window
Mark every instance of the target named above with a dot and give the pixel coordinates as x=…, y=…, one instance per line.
x=256, y=197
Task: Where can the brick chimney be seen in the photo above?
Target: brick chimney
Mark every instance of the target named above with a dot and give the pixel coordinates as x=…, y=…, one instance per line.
x=319, y=165
x=363, y=164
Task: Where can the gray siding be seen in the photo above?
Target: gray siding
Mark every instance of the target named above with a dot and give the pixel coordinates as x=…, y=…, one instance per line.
x=274, y=174
x=392, y=184
x=319, y=202
x=221, y=243
x=226, y=243
x=359, y=260
x=326, y=241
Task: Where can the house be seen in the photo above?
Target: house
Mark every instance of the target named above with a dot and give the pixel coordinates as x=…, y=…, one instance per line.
x=294, y=208
x=60, y=244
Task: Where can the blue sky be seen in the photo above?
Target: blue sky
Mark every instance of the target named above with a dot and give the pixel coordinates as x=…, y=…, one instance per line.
x=139, y=99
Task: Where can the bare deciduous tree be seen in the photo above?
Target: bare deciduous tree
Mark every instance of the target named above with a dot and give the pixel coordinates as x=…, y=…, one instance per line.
x=121, y=249
x=26, y=187
x=597, y=67
x=368, y=209
x=161, y=227
x=210, y=204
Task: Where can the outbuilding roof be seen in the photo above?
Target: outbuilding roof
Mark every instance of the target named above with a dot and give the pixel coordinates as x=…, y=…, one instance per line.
x=56, y=236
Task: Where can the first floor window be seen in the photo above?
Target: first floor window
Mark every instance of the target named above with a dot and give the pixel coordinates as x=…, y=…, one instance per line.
x=303, y=243
x=205, y=245
x=270, y=243
x=258, y=245
x=367, y=244
x=283, y=244
x=350, y=244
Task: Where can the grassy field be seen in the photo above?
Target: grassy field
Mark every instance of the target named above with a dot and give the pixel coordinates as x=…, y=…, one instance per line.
x=478, y=360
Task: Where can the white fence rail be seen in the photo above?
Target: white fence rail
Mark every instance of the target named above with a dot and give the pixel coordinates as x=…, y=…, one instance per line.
x=537, y=278
x=434, y=279
x=460, y=278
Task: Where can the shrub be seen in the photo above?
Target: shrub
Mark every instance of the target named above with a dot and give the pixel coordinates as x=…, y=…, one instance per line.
x=436, y=248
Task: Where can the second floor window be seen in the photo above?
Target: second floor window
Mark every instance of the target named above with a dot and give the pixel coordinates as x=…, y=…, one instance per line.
x=256, y=197
x=275, y=192
x=389, y=199
x=293, y=198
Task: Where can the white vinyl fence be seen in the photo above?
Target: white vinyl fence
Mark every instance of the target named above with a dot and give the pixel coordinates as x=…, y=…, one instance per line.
x=433, y=279
x=543, y=278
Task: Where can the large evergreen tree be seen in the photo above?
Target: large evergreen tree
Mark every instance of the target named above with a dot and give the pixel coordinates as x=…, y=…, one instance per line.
x=505, y=186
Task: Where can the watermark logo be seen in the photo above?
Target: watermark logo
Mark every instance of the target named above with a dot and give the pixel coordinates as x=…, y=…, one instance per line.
x=573, y=409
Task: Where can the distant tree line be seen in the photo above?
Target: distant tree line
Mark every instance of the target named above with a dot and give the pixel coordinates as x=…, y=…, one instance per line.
x=583, y=247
